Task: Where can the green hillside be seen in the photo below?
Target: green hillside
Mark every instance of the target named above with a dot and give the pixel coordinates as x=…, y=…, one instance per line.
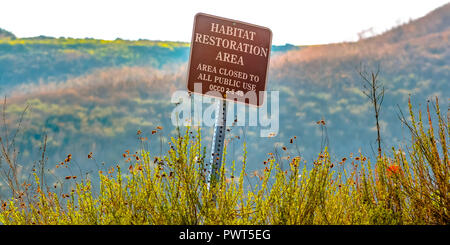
x=29, y=60
x=92, y=95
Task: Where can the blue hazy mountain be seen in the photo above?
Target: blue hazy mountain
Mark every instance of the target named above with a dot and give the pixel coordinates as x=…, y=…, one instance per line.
x=91, y=95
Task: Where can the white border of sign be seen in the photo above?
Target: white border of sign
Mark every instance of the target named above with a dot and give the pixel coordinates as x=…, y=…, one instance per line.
x=236, y=21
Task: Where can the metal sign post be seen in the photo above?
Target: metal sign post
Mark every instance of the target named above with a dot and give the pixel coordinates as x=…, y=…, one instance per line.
x=217, y=143
x=229, y=59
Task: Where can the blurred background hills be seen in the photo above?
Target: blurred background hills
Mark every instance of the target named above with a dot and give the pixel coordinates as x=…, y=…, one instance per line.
x=92, y=95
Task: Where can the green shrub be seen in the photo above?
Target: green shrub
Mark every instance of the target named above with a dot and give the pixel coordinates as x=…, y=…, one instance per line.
x=409, y=188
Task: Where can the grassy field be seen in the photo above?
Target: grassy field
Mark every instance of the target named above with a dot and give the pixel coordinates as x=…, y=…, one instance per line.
x=404, y=186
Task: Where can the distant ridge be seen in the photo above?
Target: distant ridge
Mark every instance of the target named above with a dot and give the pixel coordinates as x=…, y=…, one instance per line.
x=6, y=34
x=436, y=21
x=420, y=47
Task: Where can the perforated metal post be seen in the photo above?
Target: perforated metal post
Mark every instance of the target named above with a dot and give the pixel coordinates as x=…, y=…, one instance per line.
x=217, y=143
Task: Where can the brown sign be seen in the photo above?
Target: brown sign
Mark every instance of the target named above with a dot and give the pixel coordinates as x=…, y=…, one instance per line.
x=229, y=59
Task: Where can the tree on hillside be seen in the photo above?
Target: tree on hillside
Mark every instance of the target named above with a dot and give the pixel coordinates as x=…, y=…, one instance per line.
x=375, y=92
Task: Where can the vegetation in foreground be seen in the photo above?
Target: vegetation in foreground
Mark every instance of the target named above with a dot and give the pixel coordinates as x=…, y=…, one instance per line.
x=86, y=93
x=410, y=187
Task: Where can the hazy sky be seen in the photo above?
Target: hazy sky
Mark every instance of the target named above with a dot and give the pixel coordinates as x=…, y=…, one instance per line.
x=296, y=22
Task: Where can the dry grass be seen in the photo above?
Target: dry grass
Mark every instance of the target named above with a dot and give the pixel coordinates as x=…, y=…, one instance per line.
x=411, y=187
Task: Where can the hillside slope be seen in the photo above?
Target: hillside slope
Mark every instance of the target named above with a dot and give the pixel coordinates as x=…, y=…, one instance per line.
x=83, y=109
